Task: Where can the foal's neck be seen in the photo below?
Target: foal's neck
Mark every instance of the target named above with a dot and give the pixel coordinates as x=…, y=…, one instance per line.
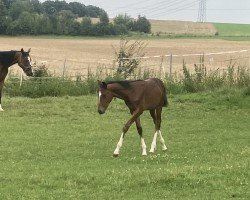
x=118, y=91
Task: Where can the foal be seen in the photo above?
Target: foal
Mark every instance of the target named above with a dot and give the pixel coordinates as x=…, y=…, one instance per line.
x=138, y=95
x=9, y=58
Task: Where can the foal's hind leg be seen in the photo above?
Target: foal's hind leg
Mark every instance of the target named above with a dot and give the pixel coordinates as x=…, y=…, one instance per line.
x=153, y=145
x=156, y=115
x=139, y=129
x=158, y=124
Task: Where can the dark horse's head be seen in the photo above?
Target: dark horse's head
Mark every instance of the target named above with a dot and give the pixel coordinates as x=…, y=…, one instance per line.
x=24, y=60
x=104, y=97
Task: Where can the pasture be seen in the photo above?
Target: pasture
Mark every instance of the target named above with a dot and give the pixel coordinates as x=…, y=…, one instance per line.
x=60, y=148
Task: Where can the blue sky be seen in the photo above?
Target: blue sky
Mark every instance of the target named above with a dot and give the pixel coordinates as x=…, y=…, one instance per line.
x=227, y=11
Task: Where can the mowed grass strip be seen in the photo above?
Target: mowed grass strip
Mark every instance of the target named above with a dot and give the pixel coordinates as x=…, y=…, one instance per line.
x=61, y=148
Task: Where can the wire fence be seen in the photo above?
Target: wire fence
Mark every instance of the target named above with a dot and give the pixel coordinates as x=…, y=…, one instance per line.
x=161, y=65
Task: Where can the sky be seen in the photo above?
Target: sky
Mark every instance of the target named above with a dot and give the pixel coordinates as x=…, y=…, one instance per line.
x=224, y=11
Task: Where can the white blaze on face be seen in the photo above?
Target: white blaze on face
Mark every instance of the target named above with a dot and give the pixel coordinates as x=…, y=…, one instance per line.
x=29, y=59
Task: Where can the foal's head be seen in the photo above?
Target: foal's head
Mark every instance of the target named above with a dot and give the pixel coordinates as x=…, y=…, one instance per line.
x=24, y=60
x=105, y=97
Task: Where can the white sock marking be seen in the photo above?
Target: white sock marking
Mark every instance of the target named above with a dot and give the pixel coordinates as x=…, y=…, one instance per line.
x=100, y=95
x=1, y=109
x=162, y=141
x=153, y=145
x=143, y=145
x=119, y=145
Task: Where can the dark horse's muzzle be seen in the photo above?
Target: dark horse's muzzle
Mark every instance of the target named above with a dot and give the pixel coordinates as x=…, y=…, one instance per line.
x=28, y=71
x=101, y=111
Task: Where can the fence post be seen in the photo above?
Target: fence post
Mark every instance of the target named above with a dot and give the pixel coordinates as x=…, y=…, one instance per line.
x=162, y=71
x=64, y=67
x=21, y=79
x=170, y=64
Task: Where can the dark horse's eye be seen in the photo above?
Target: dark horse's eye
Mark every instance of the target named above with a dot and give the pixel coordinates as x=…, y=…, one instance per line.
x=104, y=96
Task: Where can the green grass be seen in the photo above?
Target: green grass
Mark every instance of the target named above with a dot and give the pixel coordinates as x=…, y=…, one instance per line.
x=233, y=29
x=60, y=148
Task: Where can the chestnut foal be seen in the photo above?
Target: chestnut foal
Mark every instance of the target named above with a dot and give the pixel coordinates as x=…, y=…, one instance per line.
x=139, y=95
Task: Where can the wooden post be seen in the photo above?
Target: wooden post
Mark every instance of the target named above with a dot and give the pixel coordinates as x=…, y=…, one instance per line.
x=64, y=67
x=21, y=79
x=161, y=68
x=170, y=65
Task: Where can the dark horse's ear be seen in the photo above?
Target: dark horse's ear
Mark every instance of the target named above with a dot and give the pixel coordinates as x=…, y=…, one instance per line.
x=102, y=84
x=22, y=50
x=29, y=50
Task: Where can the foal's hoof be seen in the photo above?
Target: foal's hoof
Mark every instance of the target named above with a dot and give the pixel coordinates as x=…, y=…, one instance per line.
x=164, y=149
x=1, y=110
x=152, y=150
x=115, y=155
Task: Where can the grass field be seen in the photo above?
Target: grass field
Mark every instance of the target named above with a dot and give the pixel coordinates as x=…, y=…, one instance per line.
x=60, y=148
x=233, y=29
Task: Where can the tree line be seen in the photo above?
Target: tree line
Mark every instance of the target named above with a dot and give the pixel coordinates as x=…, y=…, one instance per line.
x=32, y=17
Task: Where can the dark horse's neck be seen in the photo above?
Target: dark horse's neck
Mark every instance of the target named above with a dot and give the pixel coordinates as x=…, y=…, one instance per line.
x=8, y=58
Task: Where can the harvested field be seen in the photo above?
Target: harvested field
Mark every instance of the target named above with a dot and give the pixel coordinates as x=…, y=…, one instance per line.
x=76, y=55
x=182, y=27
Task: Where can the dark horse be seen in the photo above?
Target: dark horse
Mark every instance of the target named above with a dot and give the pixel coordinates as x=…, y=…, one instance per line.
x=138, y=95
x=8, y=58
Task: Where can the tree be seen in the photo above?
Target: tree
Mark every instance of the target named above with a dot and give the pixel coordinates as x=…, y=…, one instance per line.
x=18, y=7
x=36, y=6
x=8, y=3
x=142, y=25
x=104, y=19
x=3, y=18
x=44, y=25
x=86, y=26
x=123, y=24
x=78, y=9
x=65, y=19
x=124, y=20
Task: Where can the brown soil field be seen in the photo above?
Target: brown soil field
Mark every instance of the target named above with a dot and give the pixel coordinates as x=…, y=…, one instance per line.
x=74, y=56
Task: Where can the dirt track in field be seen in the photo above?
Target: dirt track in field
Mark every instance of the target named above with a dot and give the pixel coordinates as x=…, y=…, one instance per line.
x=77, y=55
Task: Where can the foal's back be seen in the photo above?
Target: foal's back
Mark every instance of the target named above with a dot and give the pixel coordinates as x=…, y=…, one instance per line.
x=154, y=94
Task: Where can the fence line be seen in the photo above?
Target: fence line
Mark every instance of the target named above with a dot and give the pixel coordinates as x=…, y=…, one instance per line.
x=162, y=69
x=147, y=57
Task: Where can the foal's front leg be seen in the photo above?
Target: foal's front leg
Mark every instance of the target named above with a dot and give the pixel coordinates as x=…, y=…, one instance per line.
x=135, y=115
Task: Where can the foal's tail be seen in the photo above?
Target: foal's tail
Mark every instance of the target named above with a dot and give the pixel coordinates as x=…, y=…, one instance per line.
x=165, y=98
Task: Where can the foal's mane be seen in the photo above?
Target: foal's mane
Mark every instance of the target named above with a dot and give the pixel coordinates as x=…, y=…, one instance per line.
x=125, y=83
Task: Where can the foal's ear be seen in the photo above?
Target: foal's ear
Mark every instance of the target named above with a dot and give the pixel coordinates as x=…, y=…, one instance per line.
x=102, y=84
